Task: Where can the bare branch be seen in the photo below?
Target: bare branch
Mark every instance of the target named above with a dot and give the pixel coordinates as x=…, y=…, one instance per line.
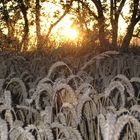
x=64, y=14
x=88, y=8
x=121, y=7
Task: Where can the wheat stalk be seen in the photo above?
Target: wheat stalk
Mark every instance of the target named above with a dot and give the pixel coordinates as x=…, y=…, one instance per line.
x=115, y=85
x=21, y=83
x=70, y=95
x=3, y=130
x=98, y=57
x=125, y=81
x=107, y=125
x=122, y=121
x=63, y=129
x=55, y=65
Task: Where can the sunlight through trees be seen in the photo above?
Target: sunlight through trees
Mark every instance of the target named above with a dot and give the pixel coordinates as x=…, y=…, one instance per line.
x=37, y=23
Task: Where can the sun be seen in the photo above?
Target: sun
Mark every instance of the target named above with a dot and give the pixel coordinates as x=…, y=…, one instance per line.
x=67, y=30
x=71, y=33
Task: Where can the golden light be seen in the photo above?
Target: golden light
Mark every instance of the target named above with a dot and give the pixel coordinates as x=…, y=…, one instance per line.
x=66, y=29
x=70, y=33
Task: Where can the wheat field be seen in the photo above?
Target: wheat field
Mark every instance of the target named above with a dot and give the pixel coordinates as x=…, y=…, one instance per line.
x=68, y=98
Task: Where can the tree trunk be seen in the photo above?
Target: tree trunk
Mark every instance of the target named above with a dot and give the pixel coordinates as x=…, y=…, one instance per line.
x=101, y=23
x=115, y=12
x=114, y=33
x=102, y=35
x=38, y=34
x=25, y=38
x=134, y=20
x=10, y=29
x=128, y=37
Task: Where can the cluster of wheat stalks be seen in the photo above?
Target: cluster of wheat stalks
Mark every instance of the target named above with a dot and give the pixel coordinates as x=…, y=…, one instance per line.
x=86, y=98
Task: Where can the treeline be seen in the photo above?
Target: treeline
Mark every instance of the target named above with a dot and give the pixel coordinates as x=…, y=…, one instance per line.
x=98, y=20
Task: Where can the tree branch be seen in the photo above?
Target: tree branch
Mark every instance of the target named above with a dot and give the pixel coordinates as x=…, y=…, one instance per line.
x=90, y=11
x=64, y=14
x=121, y=7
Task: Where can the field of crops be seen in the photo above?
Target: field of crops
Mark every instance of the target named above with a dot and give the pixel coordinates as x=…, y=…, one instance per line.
x=70, y=98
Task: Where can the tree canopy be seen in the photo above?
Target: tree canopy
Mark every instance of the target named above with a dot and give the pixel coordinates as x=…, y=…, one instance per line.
x=97, y=21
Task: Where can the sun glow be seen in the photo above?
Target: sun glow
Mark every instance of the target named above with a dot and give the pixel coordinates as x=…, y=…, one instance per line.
x=65, y=29
x=71, y=33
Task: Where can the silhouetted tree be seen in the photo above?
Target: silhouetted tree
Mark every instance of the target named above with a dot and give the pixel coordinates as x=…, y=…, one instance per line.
x=99, y=17
x=6, y=17
x=9, y=15
x=135, y=18
x=23, y=5
x=37, y=13
x=115, y=11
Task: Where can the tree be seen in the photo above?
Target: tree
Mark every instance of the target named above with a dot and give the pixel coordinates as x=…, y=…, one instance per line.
x=23, y=6
x=37, y=13
x=135, y=18
x=99, y=16
x=9, y=15
x=5, y=17
x=115, y=12
x=101, y=22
